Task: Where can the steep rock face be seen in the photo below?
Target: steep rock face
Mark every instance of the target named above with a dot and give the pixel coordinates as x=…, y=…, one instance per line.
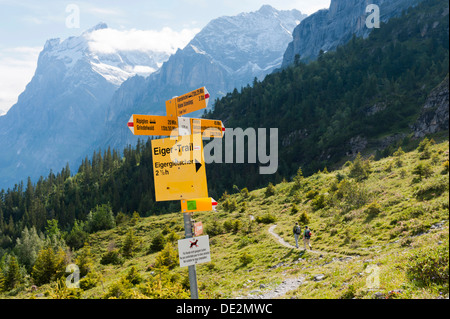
x=434, y=116
x=228, y=53
x=327, y=29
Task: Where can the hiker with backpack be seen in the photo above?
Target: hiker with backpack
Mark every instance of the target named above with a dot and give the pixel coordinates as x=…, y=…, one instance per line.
x=306, y=237
x=297, y=231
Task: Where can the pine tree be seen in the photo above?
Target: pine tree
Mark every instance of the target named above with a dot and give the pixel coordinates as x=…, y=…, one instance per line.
x=84, y=260
x=28, y=246
x=49, y=266
x=13, y=276
x=298, y=178
x=2, y=280
x=129, y=244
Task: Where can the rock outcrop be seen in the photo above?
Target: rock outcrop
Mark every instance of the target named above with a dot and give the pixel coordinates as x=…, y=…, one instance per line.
x=328, y=28
x=434, y=116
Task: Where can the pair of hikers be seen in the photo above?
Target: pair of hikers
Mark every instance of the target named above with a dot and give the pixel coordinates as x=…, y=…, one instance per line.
x=306, y=236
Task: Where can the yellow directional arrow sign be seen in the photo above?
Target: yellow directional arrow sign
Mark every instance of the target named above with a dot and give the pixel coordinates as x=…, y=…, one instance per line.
x=153, y=125
x=179, y=168
x=208, y=128
x=169, y=126
x=188, y=103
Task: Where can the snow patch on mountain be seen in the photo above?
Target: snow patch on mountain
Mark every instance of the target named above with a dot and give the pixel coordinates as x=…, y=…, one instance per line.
x=114, y=64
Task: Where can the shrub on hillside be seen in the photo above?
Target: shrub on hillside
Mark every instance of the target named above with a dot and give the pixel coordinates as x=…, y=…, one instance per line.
x=270, y=190
x=360, y=169
x=133, y=276
x=245, y=193
x=266, y=219
x=158, y=243
x=319, y=202
x=431, y=188
x=77, y=236
x=49, y=266
x=111, y=257
x=168, y=257
x=423, y=170
x=445, y=168
x=304, y=219
x=294, y=209
x=228, y=226
x=298, y=178
x=312, y=194
x=213, y=229
x=90, y=280
x=129, y=245
x=373, y=209
x=230, y=205
x=245, y=258
x=101, y=218
x=430, y=267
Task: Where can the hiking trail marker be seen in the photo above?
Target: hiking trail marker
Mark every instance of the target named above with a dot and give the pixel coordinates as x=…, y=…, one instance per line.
x=198, y=205
x=198, y=229
x=179, y=168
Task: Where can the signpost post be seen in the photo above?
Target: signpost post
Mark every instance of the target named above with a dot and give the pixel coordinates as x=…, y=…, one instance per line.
x=179, y=168
x=191, y=269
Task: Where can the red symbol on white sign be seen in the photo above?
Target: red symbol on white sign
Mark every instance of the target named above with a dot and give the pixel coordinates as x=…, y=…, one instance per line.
x=194, y=243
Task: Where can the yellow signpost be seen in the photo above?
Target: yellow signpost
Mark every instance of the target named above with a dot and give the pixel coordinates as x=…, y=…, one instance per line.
x=208, y=128
x=178, y=164
x=198, y=205
x=169, y=126
x=179, y=168
x=153, y=125
x=187, y=103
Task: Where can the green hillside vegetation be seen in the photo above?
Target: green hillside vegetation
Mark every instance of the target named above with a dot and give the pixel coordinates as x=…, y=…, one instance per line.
x=371, y=88
x=391, y=214
x=318, y=107
x=384, y=211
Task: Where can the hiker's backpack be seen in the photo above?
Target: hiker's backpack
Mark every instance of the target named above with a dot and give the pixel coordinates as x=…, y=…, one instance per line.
x=307, y=233
x=297, y=230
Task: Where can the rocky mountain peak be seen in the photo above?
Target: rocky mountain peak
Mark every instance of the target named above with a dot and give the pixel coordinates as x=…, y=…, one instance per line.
x=329, y=28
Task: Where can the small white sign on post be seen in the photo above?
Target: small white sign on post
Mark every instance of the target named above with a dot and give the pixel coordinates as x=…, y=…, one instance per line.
x=194, y=251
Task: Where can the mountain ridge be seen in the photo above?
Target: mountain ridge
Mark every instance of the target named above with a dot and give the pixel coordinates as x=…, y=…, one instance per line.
x=328, y=28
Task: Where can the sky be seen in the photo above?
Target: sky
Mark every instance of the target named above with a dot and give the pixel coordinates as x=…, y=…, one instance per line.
x=166, y=25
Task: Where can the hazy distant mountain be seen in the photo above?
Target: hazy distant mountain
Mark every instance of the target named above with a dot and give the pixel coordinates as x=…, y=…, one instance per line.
x=327, y=29
x=62, y=109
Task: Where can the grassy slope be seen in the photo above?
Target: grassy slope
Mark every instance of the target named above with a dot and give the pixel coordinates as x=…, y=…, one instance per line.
x=403, y=226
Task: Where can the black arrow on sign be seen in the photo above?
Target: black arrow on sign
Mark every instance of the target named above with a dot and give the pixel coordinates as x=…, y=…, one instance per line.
x=197, y=166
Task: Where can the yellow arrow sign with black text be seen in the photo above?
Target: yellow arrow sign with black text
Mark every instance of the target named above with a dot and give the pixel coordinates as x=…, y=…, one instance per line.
x=179, y=168
x=187, y=103
x=153, y=125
